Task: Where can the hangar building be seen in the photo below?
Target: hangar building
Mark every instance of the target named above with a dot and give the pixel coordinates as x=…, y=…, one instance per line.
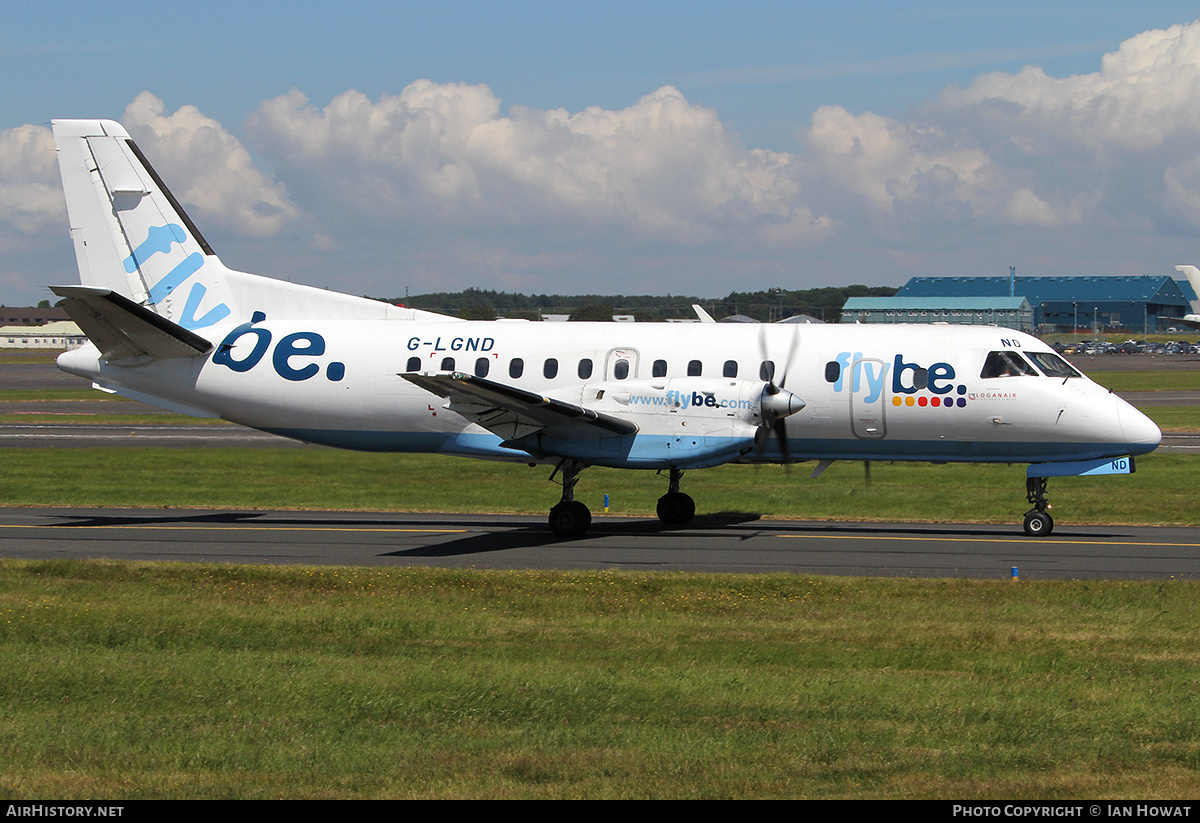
x=1138, y=304
x=1009, y=312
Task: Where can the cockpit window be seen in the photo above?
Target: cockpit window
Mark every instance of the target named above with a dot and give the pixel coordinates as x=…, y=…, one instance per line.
x=1006, y=364
x=1052, y=365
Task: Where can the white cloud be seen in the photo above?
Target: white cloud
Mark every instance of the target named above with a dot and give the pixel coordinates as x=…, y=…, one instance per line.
x=1027, y=149
x=1145, y=92
x=662, y=169
x=31, y=197
x=1027, y=209
x=442, y=186
x=208, y=168
x=886, y=161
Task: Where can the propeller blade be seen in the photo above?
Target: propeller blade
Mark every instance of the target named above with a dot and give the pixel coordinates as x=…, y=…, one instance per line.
x=791, y=358
x=777, y=402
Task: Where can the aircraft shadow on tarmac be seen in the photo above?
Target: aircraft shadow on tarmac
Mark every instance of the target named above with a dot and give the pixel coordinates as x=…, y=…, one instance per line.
x=714, y=526
x=515, y=532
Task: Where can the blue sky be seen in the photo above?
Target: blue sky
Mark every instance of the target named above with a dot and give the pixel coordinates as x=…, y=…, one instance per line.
x=750, y=177
x=765, y=66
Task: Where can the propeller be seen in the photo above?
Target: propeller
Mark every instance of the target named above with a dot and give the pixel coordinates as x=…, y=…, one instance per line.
x=777, y=402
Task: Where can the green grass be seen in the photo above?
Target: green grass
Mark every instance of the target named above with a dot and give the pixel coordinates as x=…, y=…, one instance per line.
x=51, y=395
x=125, y=681
x=1165, y=488
x=1174, y=418
x=100, y=419
x=1130, y=381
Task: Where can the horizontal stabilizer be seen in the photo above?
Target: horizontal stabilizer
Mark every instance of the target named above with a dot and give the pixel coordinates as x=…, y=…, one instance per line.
x=123, y=330
x=513, y=413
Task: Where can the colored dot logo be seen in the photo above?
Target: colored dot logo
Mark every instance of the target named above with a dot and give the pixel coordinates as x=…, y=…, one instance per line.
x=935, y=402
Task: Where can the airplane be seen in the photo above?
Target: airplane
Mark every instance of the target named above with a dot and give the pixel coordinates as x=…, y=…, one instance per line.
x=1193, y=275
x=170, y=325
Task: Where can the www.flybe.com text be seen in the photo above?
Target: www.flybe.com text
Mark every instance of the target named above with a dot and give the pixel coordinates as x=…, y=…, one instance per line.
x=684, y=400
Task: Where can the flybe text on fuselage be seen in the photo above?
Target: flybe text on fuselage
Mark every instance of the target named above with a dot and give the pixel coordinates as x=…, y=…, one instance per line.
x=292, y=357
x=869, y=376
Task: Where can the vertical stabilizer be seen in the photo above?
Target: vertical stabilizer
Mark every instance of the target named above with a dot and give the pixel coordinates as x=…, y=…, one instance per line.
x=133, y=238
x=130, y=234
x=1193, y=276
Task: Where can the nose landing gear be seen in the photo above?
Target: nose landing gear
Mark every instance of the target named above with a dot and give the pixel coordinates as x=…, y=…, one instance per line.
x=1038, y=522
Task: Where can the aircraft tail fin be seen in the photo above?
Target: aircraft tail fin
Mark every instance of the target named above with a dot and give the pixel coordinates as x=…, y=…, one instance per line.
x=1193, y=276
x=131, y=236
x=134, y=239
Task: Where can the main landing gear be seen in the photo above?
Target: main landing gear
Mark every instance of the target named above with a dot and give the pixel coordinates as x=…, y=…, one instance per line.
x=570, y=518
x=1038, y=522
x=675, y=508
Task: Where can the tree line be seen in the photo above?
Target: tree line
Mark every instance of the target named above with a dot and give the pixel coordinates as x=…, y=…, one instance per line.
x=766, y=306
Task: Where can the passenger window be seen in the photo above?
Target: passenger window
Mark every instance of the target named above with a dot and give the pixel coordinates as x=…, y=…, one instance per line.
x=659, y=369
x=481, y=367
x=550, y=369
x=447, y=364
x=1005, y=364
x=621, y=369
x=414, y=364
x=766, y=371
x=833, y=371
x=730, y=369
x=585, y=369
x=695, y=368
x=516, y=368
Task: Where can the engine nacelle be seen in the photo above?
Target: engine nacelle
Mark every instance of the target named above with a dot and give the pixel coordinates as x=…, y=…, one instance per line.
x=683, y=422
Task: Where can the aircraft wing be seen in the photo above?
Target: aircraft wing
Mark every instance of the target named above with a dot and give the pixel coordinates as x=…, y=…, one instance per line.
x=513, y=413
x=124, y=330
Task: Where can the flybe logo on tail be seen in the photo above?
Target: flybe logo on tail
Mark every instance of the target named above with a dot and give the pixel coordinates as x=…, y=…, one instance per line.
x=159, y=240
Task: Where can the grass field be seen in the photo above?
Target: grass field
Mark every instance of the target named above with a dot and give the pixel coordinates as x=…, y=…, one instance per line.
x=1165, y=489
x=1133, y=381
x=124, y=681
x=121, y=681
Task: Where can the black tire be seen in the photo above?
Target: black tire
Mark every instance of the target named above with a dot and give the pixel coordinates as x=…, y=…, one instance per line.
x=570, y=519
x=1038, y=524
x=676, y=509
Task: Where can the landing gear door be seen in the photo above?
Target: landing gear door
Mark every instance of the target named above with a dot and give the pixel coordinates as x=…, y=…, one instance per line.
x=869, y=399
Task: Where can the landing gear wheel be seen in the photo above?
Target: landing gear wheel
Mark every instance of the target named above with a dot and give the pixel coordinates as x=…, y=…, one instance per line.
x=676, y=508
x=570, y=519
x=1038, y=524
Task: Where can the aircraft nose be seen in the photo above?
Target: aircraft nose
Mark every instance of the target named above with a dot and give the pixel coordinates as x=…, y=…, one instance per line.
x=1141, y=433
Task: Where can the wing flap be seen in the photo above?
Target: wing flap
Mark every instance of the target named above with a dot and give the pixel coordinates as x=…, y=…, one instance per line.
x=513, y=413
x=123, y=330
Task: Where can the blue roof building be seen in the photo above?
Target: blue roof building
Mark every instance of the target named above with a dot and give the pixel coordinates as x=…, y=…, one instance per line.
x=1009, y=312
x=1064, y=303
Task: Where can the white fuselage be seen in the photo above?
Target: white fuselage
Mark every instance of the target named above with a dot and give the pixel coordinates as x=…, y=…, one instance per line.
x=870, y=392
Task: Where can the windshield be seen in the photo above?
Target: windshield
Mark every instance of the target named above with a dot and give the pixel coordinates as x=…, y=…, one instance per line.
x=1005, y=364
x=1052, y=365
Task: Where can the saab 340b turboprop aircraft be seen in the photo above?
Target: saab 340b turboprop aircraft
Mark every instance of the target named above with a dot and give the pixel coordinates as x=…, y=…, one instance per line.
x=170, y=325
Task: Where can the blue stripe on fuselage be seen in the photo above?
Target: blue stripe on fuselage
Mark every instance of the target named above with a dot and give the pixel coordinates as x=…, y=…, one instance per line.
x=650, y=453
